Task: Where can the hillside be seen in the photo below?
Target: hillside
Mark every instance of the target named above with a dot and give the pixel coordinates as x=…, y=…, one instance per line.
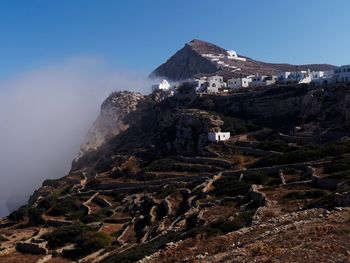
x=148, y=186
x=189, y=62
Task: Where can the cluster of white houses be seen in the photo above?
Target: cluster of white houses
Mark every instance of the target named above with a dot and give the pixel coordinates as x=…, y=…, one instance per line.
x=215, y=84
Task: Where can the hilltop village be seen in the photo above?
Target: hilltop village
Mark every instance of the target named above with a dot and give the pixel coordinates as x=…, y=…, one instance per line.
x=215, y=83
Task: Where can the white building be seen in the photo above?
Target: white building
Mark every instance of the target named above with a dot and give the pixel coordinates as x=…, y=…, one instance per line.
x=238, y=83
x=299, y=77
x=212, y=88
x=319, y=78
x=210, y=84
x=218, y=136
x=201, y=84
x=283, y=76
x=164, y=85
x=270, y=80
x=216, y=78
x=342, y=74
x=317, y=74
x=231, y=54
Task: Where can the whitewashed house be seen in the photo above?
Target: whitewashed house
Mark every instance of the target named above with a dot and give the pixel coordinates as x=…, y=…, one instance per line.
x=212, y=89
x=270, y=80
x=319, y=78
x=283, y=76
x=256, y=81
x=210, y=84
x=164, y=86
x=201, y=84
x=218, y=136
x=215, y=83
x=342, y=74
x=317, y=74
x=231, y=54
x=302, y=77
x=238, y=83
x=299, y=77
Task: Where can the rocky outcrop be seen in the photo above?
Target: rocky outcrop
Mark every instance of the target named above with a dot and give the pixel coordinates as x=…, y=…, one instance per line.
x=312, y=103
x=112, y=119
x=192, y=129
x=257, y=196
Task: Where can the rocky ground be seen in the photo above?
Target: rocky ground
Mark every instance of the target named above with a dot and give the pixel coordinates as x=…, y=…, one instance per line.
x=155, y=190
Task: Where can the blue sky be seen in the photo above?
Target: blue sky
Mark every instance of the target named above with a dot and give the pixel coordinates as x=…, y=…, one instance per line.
x=141, y=34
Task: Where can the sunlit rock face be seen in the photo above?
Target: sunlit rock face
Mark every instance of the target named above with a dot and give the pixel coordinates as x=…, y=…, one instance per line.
x=112, y=119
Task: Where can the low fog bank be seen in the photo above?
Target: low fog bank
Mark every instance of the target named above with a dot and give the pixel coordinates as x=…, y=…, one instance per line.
x=44, y=117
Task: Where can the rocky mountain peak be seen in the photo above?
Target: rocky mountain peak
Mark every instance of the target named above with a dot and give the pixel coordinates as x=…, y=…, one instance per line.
x=200, y=57
x=203, y=47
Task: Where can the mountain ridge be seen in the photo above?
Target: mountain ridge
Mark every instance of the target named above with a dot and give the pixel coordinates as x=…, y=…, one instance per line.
x=188, y=62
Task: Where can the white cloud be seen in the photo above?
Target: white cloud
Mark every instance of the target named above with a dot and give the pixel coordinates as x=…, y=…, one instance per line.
x=45, y=115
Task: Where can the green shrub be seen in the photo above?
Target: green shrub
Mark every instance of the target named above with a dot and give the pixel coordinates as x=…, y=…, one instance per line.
x=276, y=145
x=338, y=165
x=191, y=221
x=35, y=216
x=52, y=183
x=141, y=223
x=90, y=242
x=138, y=252
x=257, y=178
x=19, y=214
x=230, y=186
x=309, y=153
x=95, y=217
x=166, y=191
x=163, y=165
x=117, y=196
x=104, y=164
x=224, y=225
x=65, y=234
x=291, y=171
x=65, y=206
x=305, y=195
x=343, y=175
x=48, y=202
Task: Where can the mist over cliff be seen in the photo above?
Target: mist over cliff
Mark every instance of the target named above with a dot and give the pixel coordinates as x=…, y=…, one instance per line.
x=44, y=117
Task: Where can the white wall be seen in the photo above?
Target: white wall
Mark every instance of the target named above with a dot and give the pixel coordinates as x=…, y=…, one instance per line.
x=218, y=136
x=237, y=83
x=342, y=74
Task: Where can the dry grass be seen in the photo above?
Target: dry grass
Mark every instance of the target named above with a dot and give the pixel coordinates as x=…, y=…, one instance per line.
x=19, y=258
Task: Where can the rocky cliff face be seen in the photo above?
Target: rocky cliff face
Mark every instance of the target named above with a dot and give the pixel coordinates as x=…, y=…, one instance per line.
x=192, y=129
x=189, y=62
x=112, y=119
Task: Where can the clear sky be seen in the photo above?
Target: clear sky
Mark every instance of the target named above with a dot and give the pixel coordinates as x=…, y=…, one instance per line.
x=141, y=34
